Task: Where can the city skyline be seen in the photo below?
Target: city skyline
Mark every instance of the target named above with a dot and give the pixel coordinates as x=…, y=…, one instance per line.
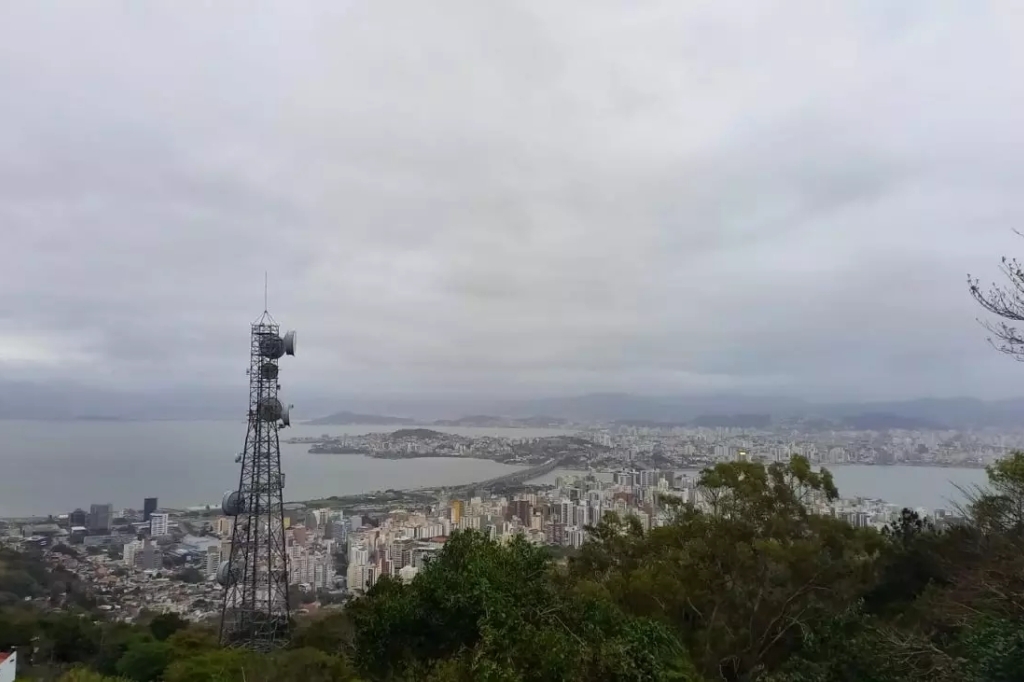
x=526, y=199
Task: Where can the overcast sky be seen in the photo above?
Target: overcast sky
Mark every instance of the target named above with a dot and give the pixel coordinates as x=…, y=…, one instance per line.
x=511, y=197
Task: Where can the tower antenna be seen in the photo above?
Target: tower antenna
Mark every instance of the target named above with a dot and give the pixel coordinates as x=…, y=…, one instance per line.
x=256, y=610
x=265, y=307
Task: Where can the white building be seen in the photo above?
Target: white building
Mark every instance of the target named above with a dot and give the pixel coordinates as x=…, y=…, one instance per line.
x=159, y=525
x=213, y=559
x=8, y=664
x=131, y=550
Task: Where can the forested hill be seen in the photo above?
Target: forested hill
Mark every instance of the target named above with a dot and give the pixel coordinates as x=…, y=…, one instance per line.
x=757, y=590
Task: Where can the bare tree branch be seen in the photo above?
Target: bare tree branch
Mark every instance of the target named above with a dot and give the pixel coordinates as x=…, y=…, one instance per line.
x=1006, y=302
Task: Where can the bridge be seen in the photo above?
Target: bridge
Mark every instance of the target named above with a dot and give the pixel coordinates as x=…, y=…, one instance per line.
x=514, y=478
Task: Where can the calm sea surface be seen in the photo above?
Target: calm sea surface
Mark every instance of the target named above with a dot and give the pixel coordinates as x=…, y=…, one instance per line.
x=53, y=467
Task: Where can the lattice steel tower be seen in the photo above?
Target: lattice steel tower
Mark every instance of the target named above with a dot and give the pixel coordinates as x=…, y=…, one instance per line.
x=255, y=576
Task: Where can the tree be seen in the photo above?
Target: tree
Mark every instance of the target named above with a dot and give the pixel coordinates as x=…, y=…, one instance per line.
x=145, y=661
x=488, y=611
x=69, y=638
x=994, y=650
x=166, y=624
x=193, y=640
x=310, y=665
x=852, y=647
x=18, y=627
x=1000, y=506
x=85, y=675
x=1006, y=302
x=115, y=639
x=190, y=574
x=332, y=633
x=220, y=665
x=908, y=564
x=739, y=584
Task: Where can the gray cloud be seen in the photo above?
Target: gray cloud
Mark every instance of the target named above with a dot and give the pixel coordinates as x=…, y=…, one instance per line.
x=512, y=198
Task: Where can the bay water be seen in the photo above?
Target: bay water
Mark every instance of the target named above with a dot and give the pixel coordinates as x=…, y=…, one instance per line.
x=53, y=467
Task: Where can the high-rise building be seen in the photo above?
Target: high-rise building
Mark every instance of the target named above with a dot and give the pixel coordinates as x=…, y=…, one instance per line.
x=457, y=511
x=77, y=518
x=148, y=557
x=213, y=559
x=101, y=518
x=159, y=525
x=148, y=507
x=130, y=551
x=224, y=526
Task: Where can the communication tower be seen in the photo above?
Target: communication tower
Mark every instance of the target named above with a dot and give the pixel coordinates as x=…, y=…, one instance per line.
x=255, y=613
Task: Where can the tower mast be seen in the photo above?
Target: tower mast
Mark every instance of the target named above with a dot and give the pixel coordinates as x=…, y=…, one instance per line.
x=255, y=613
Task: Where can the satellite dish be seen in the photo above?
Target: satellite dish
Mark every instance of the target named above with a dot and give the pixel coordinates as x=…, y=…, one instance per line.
x=268, y=371
x=286, y=419
x=272, y=347
x=271, y=410
x=225, y=576
x=289, y=343
x=231, y=503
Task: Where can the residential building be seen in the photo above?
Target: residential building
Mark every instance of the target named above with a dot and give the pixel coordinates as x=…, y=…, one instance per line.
x=101, y=518
x=148, y=507
x=159, y=525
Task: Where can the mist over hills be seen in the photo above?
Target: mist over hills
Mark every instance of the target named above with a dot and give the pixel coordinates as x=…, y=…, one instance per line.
x=20, y=400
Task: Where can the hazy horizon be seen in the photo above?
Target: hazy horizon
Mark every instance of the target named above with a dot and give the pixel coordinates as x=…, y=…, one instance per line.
x=198, y=403
x=529, y=199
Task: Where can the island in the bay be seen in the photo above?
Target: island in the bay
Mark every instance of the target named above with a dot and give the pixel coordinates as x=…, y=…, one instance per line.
x=570, y=449
x=864, y=439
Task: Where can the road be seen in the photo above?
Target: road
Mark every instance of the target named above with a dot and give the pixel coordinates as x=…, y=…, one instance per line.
x=515, y=477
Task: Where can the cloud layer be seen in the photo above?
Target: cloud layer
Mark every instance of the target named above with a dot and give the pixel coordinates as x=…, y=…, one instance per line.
x=513, y=198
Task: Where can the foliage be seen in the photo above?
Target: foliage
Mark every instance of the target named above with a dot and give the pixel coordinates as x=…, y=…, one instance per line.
x=193, y=640
x=330, y=633
x=86, y=675
x=69, y=638
x=24, y=574
x=233, y=665
x=487, y=611
x=166, y=624
x=145, y=661
x=739, y=583
x=994, y=650
x=115, y=640
x=189, y=574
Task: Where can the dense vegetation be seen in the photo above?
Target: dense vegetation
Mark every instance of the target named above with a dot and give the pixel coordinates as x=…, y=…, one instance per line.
x=757, y=589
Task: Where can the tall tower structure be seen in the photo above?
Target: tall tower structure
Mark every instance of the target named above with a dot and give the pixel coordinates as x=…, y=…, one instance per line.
x=254, y=576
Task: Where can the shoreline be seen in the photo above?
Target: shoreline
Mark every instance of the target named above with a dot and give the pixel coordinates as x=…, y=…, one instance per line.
x=215, y=505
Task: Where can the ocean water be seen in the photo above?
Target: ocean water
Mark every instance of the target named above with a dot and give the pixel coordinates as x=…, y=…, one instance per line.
x=54, y=467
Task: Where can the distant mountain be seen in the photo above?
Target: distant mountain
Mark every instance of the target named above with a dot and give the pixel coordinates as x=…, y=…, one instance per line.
x=541, y=422
x=68, y=401
x=478, y=420
x=883, y=421
x=625, y=408
x=737, y=421
x=648, y=423
x=488, y=421
x=428, y=434
x=343, y=418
